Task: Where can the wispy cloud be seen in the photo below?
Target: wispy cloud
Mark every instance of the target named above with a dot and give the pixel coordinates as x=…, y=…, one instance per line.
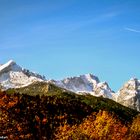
x=132, y=30
x=77, y=24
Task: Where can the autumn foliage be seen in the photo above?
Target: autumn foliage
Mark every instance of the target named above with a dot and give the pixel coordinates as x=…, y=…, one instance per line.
x=53, y=118
x=96, y=126
x=29, y=117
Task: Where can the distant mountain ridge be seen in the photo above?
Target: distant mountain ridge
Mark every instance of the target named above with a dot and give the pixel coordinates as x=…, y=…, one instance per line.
x=14, y=76
x=86, y=84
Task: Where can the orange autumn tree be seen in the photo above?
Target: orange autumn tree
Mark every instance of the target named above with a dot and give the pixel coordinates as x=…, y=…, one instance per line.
x=134, y=131
x=97, y=126
x=104, y=126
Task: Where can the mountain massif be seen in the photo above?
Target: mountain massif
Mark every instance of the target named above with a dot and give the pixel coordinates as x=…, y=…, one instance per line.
x=76, y=108
x=14, y=76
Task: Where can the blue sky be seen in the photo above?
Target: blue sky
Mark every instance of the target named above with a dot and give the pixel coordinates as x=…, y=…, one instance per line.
x=61, y=38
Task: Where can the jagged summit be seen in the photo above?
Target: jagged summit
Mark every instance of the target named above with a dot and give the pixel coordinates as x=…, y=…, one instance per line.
x=91, y=78
x=103, y=89
x=129, y=94
x=10, y=65
x=88, y=76
x=11, y=62
x=133, y=79
x=84, y=84
x=132, y=84
x=14, y=76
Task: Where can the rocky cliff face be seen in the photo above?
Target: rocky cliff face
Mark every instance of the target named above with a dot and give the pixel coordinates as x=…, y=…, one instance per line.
x=129, y=94
x=86, y=84
x=103, y=89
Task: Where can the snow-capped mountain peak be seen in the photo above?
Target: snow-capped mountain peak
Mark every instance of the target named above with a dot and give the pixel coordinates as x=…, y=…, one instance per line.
x=82, y=83
x=10, y=65
x=129, y=94
x=14, y=76
x=133, y=83
x=87, y=83
x=103, y=89
x=90, y=78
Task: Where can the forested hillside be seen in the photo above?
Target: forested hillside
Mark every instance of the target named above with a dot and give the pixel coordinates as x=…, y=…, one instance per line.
x=65, y=117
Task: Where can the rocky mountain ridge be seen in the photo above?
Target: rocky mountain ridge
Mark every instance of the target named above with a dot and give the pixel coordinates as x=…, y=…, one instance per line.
x=86, y=84
x=14, y=76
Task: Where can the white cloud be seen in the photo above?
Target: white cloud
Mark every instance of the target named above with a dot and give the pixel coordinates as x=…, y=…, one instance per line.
x=132, y=30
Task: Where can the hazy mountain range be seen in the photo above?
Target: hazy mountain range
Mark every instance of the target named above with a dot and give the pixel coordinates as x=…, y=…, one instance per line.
x=14, y=76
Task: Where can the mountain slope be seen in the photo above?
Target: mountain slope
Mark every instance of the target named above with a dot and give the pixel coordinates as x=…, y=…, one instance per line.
x=14, y=76
x=33, y=117
x=39, y=88
x=97, y=103
x=129, y=94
